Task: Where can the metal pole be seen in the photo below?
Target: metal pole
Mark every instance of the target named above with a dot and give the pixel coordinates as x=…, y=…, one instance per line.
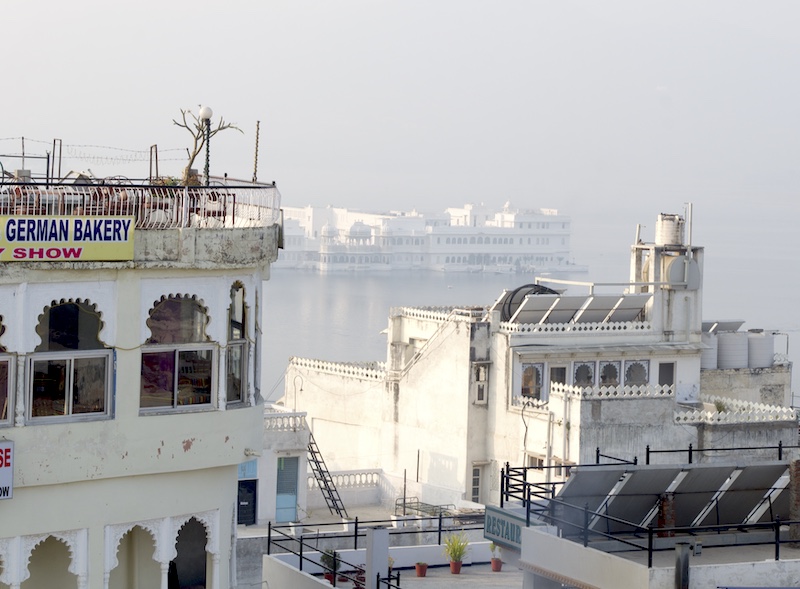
x=647, y=455
x=300, y=553
x=208, y=146
x=778, y=538
x=355, y=535
x=269, y=537
x=439, y=540
x=690, y=453
x=585, y=525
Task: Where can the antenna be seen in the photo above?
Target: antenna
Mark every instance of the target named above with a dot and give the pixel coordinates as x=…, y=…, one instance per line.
x=255, y=163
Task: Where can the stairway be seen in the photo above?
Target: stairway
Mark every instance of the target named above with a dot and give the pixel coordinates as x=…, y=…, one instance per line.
x=324, y=479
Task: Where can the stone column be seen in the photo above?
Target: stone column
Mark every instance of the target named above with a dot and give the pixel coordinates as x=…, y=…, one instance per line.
x=794, y=499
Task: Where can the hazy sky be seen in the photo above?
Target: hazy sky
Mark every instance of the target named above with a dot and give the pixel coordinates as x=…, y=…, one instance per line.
x=609, y=111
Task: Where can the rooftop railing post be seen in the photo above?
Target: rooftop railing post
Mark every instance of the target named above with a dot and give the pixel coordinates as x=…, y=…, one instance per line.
x=597, y=455
x=647, y=455
x=528, y=507
x=507, y=479
x=778, y=538
x=502, y=487
x=635, y=460
x=269, y=537
x=690, y=452
x=439, y=541
x=650, y=546
x=300, y=553
x=335, y=566
x=355, y=534
x=585, y=525
x=780, y=450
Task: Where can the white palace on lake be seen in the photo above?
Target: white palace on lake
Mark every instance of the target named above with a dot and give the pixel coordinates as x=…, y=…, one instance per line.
x=472, y=238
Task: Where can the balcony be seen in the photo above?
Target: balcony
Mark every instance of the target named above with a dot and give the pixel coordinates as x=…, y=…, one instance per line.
x=226, y=224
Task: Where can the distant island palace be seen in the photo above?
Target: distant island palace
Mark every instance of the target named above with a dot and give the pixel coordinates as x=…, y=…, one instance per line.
x=472, y=238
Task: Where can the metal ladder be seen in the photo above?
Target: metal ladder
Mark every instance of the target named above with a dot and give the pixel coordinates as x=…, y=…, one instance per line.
x=324, y=479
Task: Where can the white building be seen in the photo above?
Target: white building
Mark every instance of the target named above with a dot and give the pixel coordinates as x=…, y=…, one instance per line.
x=129, y=370
x=549, y=378
x=473, y=238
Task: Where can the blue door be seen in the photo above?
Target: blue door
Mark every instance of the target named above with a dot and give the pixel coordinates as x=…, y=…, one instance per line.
x=286, y=501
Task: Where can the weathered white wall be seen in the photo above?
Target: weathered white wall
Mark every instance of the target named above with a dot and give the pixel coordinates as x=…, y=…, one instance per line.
x=542, y=551
x=758, y=385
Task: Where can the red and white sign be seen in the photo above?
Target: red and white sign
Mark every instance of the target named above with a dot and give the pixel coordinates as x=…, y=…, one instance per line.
x=6, y=469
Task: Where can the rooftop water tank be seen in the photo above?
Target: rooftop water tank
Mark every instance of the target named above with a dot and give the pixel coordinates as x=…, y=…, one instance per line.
x=669, y=229
x=760, y=349
x=708, y=357
x=732, y=349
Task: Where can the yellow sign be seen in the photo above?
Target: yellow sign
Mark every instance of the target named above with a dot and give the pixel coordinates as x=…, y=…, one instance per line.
x=66, y=239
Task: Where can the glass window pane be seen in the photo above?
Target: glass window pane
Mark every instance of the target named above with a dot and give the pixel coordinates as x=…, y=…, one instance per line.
x=235, y=372
x=69, y=326
x=194, y=377
x=89, y=385
x=49, y=388
x=3, y=390
x=158, y=379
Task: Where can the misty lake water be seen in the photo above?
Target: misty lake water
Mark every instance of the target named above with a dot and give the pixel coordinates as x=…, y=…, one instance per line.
x=340, y=317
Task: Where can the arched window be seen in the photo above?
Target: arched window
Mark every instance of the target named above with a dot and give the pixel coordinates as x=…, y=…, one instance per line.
x=70, y=370
x=637, y=372
x=584, y=374
x=609, y=374
x=237, y=347
x=532, y=381
x=178, y=360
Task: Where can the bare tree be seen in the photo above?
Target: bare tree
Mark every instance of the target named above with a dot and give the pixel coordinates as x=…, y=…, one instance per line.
x=197, y=128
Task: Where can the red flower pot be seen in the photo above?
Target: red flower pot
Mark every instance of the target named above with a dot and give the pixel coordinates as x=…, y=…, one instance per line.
x=497, y=565
x=422, y=569
x=455, y=567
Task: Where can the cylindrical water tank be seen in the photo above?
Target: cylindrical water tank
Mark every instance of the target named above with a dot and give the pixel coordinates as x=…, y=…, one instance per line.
x=708, y=357
x=732, y=349
x=760, y=349
x=669, y=229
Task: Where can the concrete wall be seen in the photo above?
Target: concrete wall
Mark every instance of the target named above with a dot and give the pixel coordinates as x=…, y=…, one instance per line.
x=553, y=557
x=771, y=386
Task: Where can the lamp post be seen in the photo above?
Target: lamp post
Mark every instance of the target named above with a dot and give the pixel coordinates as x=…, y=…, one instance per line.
x=205, y=115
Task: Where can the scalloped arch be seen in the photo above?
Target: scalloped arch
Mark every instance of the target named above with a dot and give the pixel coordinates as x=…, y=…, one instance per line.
x=86, y=310
x=178, y=318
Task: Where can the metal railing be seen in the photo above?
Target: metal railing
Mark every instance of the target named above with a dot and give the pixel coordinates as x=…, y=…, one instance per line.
x=579, y=523
x=222, y=204
x=279, y=537
x=691, y=451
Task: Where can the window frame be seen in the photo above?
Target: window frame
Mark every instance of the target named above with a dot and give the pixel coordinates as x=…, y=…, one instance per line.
x=175, y=407
x=480, y=381
x=8, y=406
x=541, y=393
x=237, y=321
x=70, y=356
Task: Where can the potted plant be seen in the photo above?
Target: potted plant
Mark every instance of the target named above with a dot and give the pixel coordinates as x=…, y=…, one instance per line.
x=455, y=548
x=497, y=561
x=422, y=568
x=330, y=562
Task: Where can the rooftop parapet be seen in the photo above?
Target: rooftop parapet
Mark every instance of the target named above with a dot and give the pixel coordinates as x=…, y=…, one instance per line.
x=222, y=204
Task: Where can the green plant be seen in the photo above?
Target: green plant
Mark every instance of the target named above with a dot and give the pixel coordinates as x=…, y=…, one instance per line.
x=493, y=548
x=422, y=564
x=329, y=561
x=720, y=406
x=456, y=546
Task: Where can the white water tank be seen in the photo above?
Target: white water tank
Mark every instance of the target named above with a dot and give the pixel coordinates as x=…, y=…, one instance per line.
x=760, y=349
x=669, y=229
x=708, y=357
x=732, y=349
